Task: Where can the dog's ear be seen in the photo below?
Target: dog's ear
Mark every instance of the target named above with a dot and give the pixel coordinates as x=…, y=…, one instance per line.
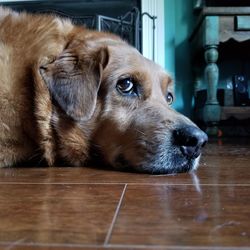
x=73, y=80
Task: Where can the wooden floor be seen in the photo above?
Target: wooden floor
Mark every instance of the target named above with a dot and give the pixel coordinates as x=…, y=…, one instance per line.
x=85, y=208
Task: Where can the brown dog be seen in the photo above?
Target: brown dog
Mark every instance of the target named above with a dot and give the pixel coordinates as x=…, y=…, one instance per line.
x=65, y=90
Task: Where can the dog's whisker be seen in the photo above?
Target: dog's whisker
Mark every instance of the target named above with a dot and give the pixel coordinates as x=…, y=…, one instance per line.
x=139, y=131
x=33, y=156
x=95, y=145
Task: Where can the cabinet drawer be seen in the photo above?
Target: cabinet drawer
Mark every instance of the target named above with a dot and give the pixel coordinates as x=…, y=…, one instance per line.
x=242, y=23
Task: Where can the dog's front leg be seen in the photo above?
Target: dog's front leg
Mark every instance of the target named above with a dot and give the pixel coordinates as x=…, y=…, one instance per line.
x=13, y=152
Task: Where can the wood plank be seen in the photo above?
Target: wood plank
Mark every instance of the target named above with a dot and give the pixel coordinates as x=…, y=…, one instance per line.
x=236, y=112
x=224, y=11
x=183, y=216
x=57, y=214
x=76, y=208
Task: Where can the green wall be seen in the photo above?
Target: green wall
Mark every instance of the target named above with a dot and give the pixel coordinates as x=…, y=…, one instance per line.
x=179, y=23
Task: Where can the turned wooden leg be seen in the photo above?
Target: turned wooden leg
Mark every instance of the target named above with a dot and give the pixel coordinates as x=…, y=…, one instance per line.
x=212, y=109
x=211, y=74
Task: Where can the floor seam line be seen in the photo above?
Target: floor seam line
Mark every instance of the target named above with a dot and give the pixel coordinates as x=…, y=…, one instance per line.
x=108, y=236
x=122, y=183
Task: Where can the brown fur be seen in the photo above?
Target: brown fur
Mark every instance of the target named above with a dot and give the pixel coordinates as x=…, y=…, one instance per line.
x=58, y=94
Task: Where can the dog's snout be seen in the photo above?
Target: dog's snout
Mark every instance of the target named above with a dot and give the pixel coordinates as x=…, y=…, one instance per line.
x=190, y=140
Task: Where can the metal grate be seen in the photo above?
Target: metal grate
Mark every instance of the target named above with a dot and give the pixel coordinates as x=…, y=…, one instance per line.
x=127, y=26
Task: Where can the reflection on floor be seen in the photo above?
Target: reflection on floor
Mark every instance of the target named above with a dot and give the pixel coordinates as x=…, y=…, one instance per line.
x=85, y=208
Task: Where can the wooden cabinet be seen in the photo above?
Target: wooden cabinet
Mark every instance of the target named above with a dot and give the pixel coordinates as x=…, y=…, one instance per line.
x=216, y=26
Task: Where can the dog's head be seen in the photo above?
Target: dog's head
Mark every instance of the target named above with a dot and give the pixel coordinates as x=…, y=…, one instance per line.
x=120, y=102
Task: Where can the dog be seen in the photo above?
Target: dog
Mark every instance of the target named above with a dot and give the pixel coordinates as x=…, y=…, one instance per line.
x=68, y=93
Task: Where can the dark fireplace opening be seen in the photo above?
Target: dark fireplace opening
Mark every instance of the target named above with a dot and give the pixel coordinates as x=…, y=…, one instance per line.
x=120, y=17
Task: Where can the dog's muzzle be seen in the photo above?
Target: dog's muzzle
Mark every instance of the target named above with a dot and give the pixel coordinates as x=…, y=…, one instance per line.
x=175, y=154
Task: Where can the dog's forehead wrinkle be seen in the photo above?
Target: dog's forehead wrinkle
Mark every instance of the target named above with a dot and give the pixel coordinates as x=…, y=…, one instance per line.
x=130, y=57
x=128, y=61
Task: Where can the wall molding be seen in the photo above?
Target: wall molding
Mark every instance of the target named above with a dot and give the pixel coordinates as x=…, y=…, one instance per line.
x=154, y=8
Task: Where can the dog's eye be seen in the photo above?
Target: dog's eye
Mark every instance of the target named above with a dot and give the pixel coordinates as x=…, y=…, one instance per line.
x=127, y=87
x=170, y=98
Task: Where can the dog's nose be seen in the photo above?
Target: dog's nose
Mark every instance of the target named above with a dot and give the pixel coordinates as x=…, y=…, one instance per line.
x=191, y=140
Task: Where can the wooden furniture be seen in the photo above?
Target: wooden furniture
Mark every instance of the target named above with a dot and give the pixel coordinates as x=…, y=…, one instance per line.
x=217, y=25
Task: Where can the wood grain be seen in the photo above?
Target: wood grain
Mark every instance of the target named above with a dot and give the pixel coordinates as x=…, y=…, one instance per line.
x=58, y=214
x=184, y=216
